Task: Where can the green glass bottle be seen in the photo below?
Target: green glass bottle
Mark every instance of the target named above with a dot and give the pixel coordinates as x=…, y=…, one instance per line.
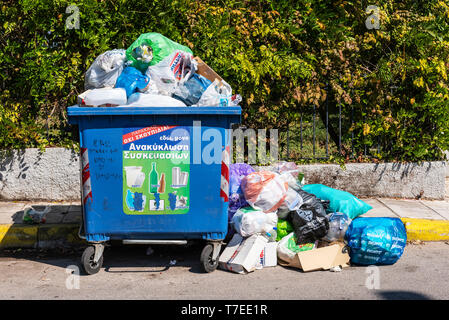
x=153, y=179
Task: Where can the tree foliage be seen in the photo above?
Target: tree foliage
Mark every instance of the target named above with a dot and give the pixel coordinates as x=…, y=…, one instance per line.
x=279, y=55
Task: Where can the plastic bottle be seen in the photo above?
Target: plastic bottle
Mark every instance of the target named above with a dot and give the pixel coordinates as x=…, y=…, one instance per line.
x=270, y=236
x=274, y=235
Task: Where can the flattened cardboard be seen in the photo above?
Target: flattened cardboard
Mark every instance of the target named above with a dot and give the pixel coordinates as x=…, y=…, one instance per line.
x=206, y=71
x=322, y=258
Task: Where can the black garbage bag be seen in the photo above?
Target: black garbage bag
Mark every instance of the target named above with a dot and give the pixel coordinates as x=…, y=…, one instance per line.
x=321, y=206
x=309, y=223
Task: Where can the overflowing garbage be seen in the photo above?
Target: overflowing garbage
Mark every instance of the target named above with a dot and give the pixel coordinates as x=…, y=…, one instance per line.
x=154, y=72
x=278, y=219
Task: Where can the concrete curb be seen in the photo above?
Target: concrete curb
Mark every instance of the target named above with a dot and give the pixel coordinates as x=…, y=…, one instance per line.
x=49, y=236
x=43, y=236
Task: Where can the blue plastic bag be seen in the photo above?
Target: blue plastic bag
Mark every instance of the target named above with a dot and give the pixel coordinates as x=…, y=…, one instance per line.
x=132, y=80
x=376, y=241
x=340, y=201
x=191, y=91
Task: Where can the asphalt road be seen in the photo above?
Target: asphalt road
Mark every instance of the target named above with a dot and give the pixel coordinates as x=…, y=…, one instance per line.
x=128, y=273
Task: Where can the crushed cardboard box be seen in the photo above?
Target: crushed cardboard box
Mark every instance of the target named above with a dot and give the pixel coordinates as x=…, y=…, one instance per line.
x=322, y=258
x=242, y=254
x=206, y=71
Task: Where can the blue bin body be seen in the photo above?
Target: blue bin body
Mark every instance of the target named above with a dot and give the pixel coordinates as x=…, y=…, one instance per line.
x=106, y=210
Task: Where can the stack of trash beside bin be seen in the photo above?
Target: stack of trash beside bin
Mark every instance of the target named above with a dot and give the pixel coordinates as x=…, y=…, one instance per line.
x=275, y=218
x=154, y=71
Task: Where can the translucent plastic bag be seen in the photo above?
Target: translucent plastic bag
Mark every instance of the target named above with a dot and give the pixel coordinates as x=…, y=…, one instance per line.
x=105, y=70
x=150, y=49
x=292, y=202
x=191, y=90
x=219, y=94
x=31, y=215
x=338, y=225
x=264, y=190
x=248, y=221
x=236, y=198
x=172, y=71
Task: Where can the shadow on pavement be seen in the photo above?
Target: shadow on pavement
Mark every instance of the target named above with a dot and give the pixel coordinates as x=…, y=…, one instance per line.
x=402, y=295
x=119, y=258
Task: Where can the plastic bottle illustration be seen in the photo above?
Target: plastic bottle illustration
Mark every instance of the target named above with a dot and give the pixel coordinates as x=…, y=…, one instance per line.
x=153, y=179
x=130, y=200
x=157, y=200
x=172, y=199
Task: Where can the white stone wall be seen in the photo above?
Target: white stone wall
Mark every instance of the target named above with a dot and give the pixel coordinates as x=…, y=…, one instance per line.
x=54, y=175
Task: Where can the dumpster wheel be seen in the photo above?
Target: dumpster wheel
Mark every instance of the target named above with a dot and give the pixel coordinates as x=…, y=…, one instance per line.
x=207, y=262
x=87, y=260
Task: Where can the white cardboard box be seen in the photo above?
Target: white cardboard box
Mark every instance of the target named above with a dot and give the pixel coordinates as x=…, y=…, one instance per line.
x=268, y=256
x=229, y=252
x=242, y=257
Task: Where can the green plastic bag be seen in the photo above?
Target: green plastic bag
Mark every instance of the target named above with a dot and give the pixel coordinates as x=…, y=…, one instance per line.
x=287, y=248
x=161, y=46
x=340, y=201
x=293, y=246
x=283, y=228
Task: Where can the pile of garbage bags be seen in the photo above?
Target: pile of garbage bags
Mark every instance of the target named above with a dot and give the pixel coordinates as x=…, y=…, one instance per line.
x=276, y=218
x=154, y=71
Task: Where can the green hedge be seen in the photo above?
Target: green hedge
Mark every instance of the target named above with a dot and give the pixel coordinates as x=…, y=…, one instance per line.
x=278, y=55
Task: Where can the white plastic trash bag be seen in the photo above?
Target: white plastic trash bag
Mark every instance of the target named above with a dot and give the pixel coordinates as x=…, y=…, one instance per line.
x=171, y=71
x=219, y=93
x=248, y=221
x=153, y=100
x=106, y=97
x=292, y=202
x=271, y=221
x=104, y=71
x=264, y=190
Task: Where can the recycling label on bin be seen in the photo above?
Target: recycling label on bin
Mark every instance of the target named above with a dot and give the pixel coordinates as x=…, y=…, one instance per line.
x=156, y=170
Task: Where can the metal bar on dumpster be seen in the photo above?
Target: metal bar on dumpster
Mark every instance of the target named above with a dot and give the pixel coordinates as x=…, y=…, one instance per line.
x=131, y=241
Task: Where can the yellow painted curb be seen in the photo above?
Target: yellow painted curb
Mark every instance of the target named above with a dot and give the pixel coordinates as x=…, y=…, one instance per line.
x=426, y=230
x=38, y=236
x=13, y=236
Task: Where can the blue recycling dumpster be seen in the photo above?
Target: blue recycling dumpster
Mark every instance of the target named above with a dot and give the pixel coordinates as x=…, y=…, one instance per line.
x=154, y=175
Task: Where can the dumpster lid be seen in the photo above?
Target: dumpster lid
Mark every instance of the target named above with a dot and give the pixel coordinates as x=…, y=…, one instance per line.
x=76, y=110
